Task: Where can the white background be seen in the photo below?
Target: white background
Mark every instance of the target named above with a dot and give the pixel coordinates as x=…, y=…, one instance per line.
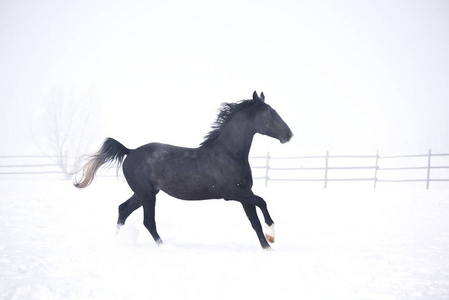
x=347, y=76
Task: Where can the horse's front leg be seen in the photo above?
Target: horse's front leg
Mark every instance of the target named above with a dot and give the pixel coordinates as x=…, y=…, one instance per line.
x=251, y=213
x=269, y=229
x=249, y=202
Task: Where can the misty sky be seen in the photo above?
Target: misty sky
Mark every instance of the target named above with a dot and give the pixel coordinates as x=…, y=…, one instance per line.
x=347, y=76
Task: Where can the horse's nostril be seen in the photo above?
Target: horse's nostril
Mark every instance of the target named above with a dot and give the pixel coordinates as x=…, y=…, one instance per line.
x=287, y=138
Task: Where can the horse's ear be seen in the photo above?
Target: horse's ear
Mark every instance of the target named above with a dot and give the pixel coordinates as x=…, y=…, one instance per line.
x=262, y=96
x=255, y=96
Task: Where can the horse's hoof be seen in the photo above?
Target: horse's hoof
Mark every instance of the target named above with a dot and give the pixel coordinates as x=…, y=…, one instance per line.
x=269, y=238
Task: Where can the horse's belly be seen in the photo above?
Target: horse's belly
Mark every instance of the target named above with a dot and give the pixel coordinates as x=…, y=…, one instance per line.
x=191, y=192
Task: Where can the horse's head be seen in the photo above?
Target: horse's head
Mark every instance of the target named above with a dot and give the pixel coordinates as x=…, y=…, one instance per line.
x=268, y=122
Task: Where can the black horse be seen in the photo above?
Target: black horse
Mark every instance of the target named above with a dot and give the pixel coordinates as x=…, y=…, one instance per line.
x=218, y=169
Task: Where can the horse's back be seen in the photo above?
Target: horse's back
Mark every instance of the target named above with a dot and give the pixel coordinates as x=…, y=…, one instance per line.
x=151, y=155
x=152, y=165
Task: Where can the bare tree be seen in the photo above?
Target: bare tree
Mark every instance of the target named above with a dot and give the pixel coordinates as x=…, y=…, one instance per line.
x=70, y=123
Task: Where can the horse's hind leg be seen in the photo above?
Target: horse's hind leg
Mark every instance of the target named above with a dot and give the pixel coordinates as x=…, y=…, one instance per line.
x=127, y=208
x=149, y=203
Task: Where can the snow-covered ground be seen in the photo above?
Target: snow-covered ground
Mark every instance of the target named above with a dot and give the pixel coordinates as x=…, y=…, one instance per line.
x=57, y=242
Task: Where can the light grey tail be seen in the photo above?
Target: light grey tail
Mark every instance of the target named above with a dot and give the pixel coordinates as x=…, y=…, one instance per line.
x=111, y=152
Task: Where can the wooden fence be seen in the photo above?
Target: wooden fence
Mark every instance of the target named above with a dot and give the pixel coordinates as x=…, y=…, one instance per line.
x=369, y=168
x=32, y=164
x=426, y=168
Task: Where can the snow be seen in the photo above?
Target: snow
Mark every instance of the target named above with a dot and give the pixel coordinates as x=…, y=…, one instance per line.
x=57, y=242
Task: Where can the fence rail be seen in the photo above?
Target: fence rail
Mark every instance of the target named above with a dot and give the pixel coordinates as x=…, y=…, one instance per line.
x=33, y=165
x=380, y=168
x=325, y=168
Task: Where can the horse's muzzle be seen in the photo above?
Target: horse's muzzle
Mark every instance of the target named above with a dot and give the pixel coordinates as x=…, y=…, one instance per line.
x=287, y=137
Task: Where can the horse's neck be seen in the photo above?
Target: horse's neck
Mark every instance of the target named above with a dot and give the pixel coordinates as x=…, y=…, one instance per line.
x=237, y=139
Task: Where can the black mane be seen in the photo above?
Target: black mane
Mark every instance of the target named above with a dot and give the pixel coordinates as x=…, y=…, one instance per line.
x=227, y=111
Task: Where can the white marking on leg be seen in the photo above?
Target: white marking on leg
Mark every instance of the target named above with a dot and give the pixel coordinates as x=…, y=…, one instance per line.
x=270, y=230
x=270, y=233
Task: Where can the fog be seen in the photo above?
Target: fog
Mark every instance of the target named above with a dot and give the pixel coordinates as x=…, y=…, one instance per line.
x=347, y=76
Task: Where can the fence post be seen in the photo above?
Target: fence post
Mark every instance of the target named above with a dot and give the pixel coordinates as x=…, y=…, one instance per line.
x=325, y=169
x=428, y=169
x=267, y=167
x=375, y=170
